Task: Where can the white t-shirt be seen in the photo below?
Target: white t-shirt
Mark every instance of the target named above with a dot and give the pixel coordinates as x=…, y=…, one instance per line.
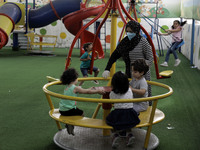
x=140, y=84
x=127, y=95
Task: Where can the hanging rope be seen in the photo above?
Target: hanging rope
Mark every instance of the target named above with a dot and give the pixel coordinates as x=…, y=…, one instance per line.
x=145, y=17
x=167, y=43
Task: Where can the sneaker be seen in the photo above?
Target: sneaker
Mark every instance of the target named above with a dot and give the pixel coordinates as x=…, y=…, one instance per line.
x=165, y=64
x=95, y=81
x=115, y=140
x=177, y=62
x=130, y=139
x=70, y=129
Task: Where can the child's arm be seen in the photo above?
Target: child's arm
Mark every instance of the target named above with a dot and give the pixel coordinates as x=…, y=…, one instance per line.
x=168, y=33
x=97, y=55
x=174, y=30
x=80, y=90
x=138, y=91
x=85, y=59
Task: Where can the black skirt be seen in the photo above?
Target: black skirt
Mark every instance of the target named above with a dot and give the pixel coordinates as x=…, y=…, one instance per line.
x=122, y=119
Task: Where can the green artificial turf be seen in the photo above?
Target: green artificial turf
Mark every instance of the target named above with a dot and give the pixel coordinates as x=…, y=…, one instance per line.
x=24, y=120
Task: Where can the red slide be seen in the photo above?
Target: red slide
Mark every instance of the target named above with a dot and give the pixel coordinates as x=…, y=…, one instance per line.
x=3, y=38
x=73, y=23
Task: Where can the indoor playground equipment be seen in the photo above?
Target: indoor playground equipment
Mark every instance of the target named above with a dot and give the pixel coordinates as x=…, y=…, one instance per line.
x=85, y=35
x=32, y=40
x=90, y=138
x=114, y=6
x=161, y=38
x=74, y=22
x=12, y=14
x=91, y=135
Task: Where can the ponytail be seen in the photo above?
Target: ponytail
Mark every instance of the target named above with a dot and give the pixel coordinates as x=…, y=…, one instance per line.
x=180, y=23
x=183, y=23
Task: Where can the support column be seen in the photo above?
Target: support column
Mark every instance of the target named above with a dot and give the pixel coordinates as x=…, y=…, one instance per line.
x=113, y=39
x=15, y=42
x=192, y=42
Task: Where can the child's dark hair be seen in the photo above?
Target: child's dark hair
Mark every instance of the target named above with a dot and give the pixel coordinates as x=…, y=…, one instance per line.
x=85, y=46
x=181, y=23
x=140, y=65
x=69, y=76
x=120, y=83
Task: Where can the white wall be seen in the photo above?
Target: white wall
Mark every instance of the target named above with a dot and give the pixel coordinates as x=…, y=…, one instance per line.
x=60, y=29
x=186, y=48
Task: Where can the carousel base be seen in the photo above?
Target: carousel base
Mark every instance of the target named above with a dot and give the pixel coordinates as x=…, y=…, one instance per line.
x=92, y=139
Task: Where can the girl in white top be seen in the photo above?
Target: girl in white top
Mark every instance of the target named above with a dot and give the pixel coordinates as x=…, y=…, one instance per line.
x=123, y=117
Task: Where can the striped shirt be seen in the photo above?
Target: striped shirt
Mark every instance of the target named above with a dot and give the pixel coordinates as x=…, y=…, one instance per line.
x=142, y=51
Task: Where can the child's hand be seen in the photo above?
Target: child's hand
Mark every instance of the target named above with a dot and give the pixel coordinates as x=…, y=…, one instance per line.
x=97, y=55
x=131, y=88
x=88, y=58
x=106, y=74
x=98, y=89
x=168, y=31
x=101, y=92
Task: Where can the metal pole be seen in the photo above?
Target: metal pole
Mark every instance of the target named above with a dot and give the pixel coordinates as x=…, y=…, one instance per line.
x=26, y=13
x=192, y=42
x=113, y=39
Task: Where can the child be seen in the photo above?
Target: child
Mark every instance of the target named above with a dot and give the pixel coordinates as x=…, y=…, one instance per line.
x=68, y=107
x=139, y=84
x=86, y=60
x=176, y=32
x=123, y=117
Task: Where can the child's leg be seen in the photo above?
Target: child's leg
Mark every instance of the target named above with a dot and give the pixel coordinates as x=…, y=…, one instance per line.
x=130, y=137
x=96, y=72
x=177, y=60
x=165, y=64
x=167, y=55
x=115, y=138
x=84, y=73
x=173, y=49
x=70, y=129
x=71, y=112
